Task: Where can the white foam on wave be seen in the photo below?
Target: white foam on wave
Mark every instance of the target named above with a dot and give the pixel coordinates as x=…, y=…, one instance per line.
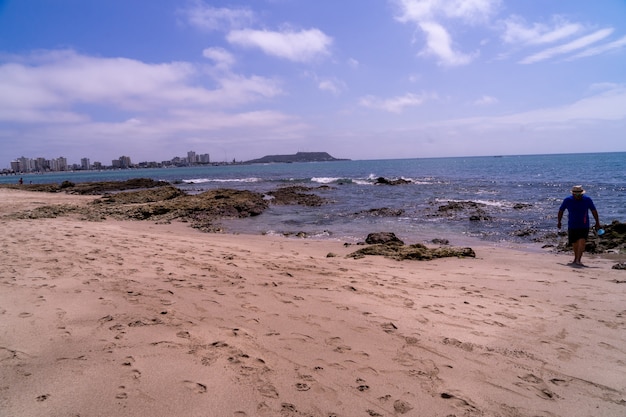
x=492, y=203
x=224, y=180
x=325, y=180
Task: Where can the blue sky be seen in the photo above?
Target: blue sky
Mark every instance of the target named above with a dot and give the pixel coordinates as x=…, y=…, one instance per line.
x=360, y=79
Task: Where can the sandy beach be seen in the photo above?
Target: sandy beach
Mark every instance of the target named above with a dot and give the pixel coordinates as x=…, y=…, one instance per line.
x=112, y=318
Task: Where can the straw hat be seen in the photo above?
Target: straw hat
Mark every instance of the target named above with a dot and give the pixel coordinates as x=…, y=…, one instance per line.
x=578, y=189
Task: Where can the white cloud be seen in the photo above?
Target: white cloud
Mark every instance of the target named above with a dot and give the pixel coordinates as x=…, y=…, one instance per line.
x=58, y=84
x=77, y=103
x=394, y=104
x=518, y=31
x=486, y=100
x=432, y=17
x=568, y=47
x=302, y=46
x=606, y=106
x=205, y=17
x=332, y=86
x=607, y=47
x=222, y=58
x=439, y=44
x=470, y=11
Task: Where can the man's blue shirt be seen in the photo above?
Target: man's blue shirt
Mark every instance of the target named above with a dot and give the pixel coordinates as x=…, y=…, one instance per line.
x=577, y=211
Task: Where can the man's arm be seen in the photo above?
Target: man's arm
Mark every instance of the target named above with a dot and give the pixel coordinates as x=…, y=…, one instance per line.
x=597, y=219
x=559, y=217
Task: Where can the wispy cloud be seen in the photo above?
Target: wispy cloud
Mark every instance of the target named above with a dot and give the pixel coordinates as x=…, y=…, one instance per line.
x=332, y=85
x=486, y=101
x=394, y=104
x=517, y=31
x=608, y=105
x=301, y=46
x=470, y=11
x=223, y=59
x=206, y=17
x=607, y=47
x=568, y=47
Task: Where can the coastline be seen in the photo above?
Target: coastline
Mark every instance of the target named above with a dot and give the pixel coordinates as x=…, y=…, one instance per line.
x=137, y=318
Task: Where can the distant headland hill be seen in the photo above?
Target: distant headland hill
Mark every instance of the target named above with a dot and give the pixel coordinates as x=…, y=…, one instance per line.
x=298, y=157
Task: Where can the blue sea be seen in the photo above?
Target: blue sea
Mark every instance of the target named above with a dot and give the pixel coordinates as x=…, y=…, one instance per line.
x=516, y=197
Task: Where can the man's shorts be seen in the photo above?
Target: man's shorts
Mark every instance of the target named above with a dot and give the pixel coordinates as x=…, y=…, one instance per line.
x=574, y=235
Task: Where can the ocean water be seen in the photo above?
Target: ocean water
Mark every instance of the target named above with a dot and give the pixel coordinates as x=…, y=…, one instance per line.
x=506, y=199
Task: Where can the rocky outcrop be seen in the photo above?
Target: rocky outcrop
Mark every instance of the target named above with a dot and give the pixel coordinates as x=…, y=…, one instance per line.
x=381, y=212
x=383, y=238
x=163, y=204
x=295, y=195
x=417, y=251
x=201, y=210
x=474, y=211
x=386, y=181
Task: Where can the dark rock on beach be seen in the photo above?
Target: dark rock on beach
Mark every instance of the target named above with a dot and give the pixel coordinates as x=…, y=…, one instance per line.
x=416, y=251
x=198, y=208
x=440, y=241
x=474, y=211
x=383, y=238
x=381, y=212
x=389, y=245
x=144, y=196
x=295, y=195
x=386, y=181
x=454, y=206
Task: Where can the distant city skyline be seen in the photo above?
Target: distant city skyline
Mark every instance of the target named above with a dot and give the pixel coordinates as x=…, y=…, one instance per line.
x=40, y=164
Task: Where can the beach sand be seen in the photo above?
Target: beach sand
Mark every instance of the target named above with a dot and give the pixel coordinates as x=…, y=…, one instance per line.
x=138, y=319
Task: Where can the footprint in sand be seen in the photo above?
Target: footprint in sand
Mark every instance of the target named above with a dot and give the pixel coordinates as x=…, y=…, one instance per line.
x=24, y=315
x=301, y=386
x=402, y=407
x=538, y=385
x=196, y=387
x=268, y=390
x=361, y=385
x=122, y=395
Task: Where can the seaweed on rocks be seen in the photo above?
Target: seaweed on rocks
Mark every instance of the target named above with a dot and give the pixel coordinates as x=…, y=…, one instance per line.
x=388, y=245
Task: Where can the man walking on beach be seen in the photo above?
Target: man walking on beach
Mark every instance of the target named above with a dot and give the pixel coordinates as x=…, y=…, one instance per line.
x=578, y=206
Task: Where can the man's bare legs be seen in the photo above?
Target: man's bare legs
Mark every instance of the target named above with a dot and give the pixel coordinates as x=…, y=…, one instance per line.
x=579, y=248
